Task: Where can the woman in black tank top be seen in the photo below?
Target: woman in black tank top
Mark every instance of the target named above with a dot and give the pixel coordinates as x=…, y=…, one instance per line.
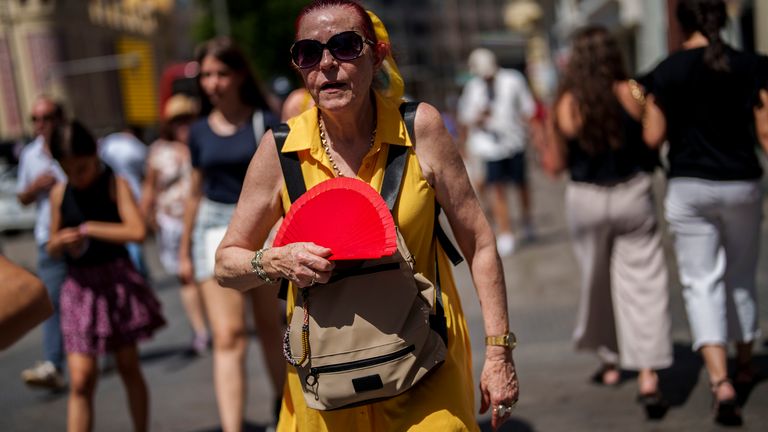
x=105, y=303
x=597, y=136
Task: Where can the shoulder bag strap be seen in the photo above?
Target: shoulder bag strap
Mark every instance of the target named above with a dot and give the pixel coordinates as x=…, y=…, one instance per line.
x=289, y=162
x=408, y=111
x=294, y=179
x=257, y=121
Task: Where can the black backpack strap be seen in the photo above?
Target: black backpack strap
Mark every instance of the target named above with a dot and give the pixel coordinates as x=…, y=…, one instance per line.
x=393, y=174
x=289, y=162
x=294, y=180
x=445, y=241
x=408, y=111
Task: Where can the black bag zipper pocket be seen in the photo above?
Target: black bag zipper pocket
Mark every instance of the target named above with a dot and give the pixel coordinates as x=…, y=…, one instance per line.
x=311, y=379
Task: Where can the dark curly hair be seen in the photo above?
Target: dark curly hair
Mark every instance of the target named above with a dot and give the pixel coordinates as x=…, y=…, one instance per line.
x=595, y=64
x=706, y=17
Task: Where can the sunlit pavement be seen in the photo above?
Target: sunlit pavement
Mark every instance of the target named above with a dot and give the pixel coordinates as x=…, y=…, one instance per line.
x=542, y=286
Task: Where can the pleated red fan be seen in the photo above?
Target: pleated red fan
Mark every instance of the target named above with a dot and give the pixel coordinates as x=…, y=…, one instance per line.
x=345, y=215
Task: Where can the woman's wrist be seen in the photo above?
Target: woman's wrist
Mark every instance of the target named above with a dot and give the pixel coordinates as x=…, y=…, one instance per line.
x=261, y=265
x=83, y=229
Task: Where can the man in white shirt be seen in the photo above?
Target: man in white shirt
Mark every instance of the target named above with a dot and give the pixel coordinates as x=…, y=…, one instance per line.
x=126, y=154
x=37, y=174
x=496, y=108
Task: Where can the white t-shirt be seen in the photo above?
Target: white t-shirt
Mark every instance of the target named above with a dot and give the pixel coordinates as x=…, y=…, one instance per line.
x=506, y=132
x=35, y=161
x=127, y=156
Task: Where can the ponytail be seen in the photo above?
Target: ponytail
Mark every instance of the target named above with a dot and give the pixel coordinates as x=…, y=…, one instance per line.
x=710, y=17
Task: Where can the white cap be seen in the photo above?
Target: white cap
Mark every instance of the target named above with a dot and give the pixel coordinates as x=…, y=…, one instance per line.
x=482, y=62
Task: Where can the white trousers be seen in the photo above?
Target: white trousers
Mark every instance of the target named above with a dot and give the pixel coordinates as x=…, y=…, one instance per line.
x=624, y=307
x=717, y=232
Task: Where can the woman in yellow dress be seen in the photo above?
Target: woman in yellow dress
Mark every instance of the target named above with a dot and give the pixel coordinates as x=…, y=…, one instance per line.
x=359, y=121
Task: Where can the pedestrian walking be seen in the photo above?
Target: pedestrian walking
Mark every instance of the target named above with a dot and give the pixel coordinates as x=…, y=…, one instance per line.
x=38, y=173
x=623, y=311
x=353, y=130
x=126, y=154
x=496, y=108
x=164, y=196
x=706, y=102
x=221, y=146
x=106, y=305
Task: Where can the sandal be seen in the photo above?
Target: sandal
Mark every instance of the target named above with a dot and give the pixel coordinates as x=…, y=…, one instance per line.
x=654, y=404
x=727, y=411
x=606, y=370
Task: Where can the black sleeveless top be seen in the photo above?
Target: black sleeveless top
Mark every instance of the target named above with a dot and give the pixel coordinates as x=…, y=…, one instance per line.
x=612, y=165
x=710, y=118
x=94, y=203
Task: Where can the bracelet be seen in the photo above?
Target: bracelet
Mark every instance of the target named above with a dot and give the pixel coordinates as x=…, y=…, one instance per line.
x=507, y=340
x=259, y=269
x=82, y=229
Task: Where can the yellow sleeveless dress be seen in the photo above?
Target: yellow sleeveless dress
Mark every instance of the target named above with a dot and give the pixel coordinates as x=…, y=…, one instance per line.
x=444, y=401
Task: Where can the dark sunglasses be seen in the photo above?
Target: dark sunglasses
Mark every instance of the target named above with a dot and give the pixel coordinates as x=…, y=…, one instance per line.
x=45, y=118
x=344, y=46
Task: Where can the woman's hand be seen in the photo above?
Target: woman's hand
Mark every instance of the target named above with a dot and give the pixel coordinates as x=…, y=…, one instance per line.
x=186, y=270
x=71, y=240
x=304, y=264
x=498, y=384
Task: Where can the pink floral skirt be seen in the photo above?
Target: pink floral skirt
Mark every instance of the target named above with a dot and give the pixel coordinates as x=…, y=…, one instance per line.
x=107, y=306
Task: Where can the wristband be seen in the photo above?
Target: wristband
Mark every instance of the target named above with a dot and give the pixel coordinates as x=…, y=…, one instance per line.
x=82, y=229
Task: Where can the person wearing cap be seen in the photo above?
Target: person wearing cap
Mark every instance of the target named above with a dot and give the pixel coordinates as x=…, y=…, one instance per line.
x=495, y=110
x=163, y=197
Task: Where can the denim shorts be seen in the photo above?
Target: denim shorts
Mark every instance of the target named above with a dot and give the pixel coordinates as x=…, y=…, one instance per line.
x=210, y=225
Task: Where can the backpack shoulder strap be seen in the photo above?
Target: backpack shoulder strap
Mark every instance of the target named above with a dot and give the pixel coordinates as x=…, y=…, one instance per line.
x=294, y=179
x=408, y=111
x=289, y=162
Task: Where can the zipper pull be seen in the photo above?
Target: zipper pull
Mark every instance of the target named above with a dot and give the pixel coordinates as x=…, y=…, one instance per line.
x=311, y=381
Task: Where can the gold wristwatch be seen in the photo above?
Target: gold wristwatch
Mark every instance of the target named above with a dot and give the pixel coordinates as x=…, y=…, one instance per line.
x=508, y=340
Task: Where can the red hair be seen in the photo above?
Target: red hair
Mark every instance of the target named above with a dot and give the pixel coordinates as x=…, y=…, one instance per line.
x=356, y=8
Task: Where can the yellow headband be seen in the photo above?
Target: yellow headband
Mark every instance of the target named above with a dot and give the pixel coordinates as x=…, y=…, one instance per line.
x=389, y=83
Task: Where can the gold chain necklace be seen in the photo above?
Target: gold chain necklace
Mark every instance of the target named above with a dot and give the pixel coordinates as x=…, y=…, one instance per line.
x=327, y=147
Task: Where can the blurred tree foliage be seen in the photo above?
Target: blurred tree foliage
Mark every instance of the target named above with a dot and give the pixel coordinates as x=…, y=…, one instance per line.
x=264, y=29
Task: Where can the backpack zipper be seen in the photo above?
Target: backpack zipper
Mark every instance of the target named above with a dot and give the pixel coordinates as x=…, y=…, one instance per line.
x=357, y=364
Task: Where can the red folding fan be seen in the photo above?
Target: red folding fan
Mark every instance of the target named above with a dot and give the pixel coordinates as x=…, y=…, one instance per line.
x=345, y=215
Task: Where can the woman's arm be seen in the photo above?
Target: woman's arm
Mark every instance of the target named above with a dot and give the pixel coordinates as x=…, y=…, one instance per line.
x=147, y=204
x=258, y=210
x=24, y=302
x=761, y=120
x=561, y=125
x=131, y=228
x=654, y=123
x=186, y=270
x=444, y=169
x=61, y=240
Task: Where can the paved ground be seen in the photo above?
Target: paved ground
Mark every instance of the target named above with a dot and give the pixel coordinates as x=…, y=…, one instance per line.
x=542, y=292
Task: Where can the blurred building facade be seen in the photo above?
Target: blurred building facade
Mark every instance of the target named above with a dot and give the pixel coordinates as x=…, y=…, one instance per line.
x=100, y=57
x=432, y=39
x=648, y=29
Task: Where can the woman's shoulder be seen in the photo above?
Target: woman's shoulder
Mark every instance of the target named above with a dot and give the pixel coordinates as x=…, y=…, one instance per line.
x=200, y=126
x=678, y=63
